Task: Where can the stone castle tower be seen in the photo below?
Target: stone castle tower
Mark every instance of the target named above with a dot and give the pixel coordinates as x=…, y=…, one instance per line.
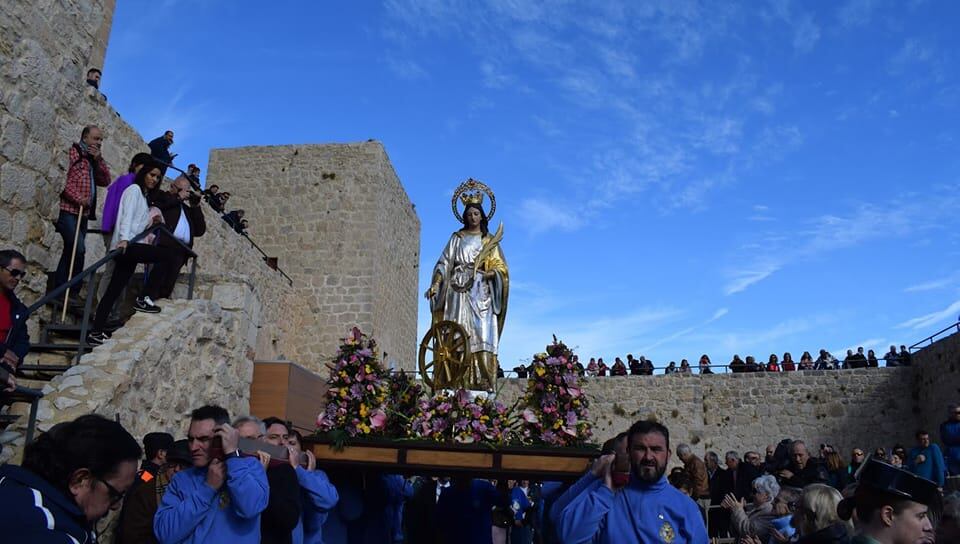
x=341, y=225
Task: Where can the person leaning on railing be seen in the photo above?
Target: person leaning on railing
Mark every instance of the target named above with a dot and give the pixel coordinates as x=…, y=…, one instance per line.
x=133, y=218
x=181, y=212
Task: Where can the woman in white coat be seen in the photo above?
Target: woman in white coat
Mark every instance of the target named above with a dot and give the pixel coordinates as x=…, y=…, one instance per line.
x=133, y=218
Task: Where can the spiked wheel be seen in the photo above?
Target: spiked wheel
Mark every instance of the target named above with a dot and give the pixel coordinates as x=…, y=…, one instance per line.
x=444, y=356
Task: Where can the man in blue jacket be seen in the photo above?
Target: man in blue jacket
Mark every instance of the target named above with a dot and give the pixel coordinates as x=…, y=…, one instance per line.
x=220, y=499
x=646, y=509
x=926, y=460
x=319, y=496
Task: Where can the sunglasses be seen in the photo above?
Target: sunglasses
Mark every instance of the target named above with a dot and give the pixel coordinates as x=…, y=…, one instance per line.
x=16, y=272
x=115, y=495
x=858, y=453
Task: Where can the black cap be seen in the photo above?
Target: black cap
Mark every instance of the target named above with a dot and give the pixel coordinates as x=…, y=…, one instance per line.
x=179, y=453
x=877, y=477
x=154, y=442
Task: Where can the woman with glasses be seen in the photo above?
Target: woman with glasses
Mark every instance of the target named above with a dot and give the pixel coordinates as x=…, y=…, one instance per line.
x=857, y=457
x=71, y=476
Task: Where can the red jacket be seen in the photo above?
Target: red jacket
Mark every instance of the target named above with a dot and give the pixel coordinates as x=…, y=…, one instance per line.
x=79, y=189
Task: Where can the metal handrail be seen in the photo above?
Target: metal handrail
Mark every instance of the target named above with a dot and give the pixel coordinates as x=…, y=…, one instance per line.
x=34, y=396
x=934, y=335
x=265, y=257
x=57, y=293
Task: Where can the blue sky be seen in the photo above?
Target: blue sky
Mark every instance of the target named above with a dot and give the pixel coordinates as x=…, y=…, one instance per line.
x=674, y=177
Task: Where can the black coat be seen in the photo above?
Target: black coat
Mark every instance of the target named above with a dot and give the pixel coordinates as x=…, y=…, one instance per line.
x=172, y=207
x=160, y=149
x=831, y=534
x=283, y=509
x=813, y=473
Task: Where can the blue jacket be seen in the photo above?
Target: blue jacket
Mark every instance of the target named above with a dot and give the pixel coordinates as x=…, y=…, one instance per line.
x=932, y=468
x=318, y=497
x=464, y=512
x=32, y=511
x=18, y=340
x=640, y=512
x=950, y=437
x=193, y=512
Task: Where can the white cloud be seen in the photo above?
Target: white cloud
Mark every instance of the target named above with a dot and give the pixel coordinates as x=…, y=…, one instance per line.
x=856, y=12
x=684, y=332
x=931, y=285
x=539, y=215
x=912, y=53
x=406, y=68
x=745, y=277
x=806, y=34
x=932, y=319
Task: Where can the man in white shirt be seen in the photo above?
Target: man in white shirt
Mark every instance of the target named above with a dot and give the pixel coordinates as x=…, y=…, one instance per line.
x=183, y=216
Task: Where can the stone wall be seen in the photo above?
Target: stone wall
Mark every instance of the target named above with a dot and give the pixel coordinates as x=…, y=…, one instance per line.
x=45, y=49
x=156, y=369
x=865, y=408
x=936, y=382
x=342, y=226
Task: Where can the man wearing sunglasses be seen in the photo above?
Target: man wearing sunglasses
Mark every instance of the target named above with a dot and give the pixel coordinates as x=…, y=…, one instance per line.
x=14, y=340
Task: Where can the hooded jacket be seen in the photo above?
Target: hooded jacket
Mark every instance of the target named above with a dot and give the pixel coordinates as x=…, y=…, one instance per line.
x=35, y=512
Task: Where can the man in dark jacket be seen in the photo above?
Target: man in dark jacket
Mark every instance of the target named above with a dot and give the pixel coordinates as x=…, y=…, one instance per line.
x=136, y=525
x=160, y=150
x=184, y=218
x=803, y=470
x=14, y=339
x=283, y=510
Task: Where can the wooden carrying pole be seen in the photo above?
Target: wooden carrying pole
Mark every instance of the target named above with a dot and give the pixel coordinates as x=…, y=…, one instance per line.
x=73, y=257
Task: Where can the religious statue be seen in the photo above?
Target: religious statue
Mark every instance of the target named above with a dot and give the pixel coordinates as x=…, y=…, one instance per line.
x=468, y=298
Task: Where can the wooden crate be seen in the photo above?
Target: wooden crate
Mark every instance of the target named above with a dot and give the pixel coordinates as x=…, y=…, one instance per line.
x=432, y=459
x=288, y=391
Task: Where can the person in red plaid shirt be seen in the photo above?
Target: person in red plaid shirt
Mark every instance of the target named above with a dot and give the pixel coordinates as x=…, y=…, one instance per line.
x=87, y=171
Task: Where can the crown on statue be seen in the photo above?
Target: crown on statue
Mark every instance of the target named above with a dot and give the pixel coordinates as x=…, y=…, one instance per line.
x=472, y=197
x=471, y=192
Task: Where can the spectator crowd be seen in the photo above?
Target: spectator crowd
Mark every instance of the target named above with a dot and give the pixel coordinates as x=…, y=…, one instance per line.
x=247, y=481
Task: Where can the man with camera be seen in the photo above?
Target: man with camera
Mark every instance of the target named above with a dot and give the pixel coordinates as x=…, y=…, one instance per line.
x=220, y=499
x=184, y=218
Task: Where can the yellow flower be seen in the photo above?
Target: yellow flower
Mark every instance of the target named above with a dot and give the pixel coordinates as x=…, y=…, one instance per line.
x=540, y=371
x=363, y=410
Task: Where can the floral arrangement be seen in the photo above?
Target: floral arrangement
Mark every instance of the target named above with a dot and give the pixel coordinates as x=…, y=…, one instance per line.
x=403, y=396
x=556, y=410
x=454, y=417
x=357, y=389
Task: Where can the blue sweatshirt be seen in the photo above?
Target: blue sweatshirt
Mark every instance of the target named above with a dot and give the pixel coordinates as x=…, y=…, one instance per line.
x=640, y=512
x=193, y=512
x=32, y=511
x=318, y=497
x=464, y=512
x=932, y=468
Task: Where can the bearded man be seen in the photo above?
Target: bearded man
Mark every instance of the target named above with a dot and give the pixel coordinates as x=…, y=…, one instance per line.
x=646, y=509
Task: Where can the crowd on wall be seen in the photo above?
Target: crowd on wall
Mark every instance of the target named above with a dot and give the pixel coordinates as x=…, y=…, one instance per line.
x=247, y=481
x=825, y=361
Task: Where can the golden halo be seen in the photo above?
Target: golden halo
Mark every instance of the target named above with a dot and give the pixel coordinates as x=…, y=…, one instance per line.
x=470, y=192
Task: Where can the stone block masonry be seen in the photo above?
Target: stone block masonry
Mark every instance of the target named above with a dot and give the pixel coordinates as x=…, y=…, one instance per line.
x=343, y=227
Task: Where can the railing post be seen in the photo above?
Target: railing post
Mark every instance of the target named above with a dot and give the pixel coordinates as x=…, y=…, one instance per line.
x=32, y=421
x=193, y=278
x=87, y=309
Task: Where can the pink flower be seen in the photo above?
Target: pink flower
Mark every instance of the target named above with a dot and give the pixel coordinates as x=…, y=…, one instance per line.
x=529, y=416
x=378, y=419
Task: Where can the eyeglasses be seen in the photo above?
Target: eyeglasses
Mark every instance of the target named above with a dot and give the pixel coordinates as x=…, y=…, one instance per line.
x=16, y=272
x=115, y=495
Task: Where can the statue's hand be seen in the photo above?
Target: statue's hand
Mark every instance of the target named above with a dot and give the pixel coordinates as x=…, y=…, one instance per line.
x=431, y=292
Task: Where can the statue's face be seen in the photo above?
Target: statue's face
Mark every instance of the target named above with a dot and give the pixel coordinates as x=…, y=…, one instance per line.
x=473, y=217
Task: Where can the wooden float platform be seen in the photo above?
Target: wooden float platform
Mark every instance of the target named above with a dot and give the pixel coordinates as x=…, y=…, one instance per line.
x=426, y=458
